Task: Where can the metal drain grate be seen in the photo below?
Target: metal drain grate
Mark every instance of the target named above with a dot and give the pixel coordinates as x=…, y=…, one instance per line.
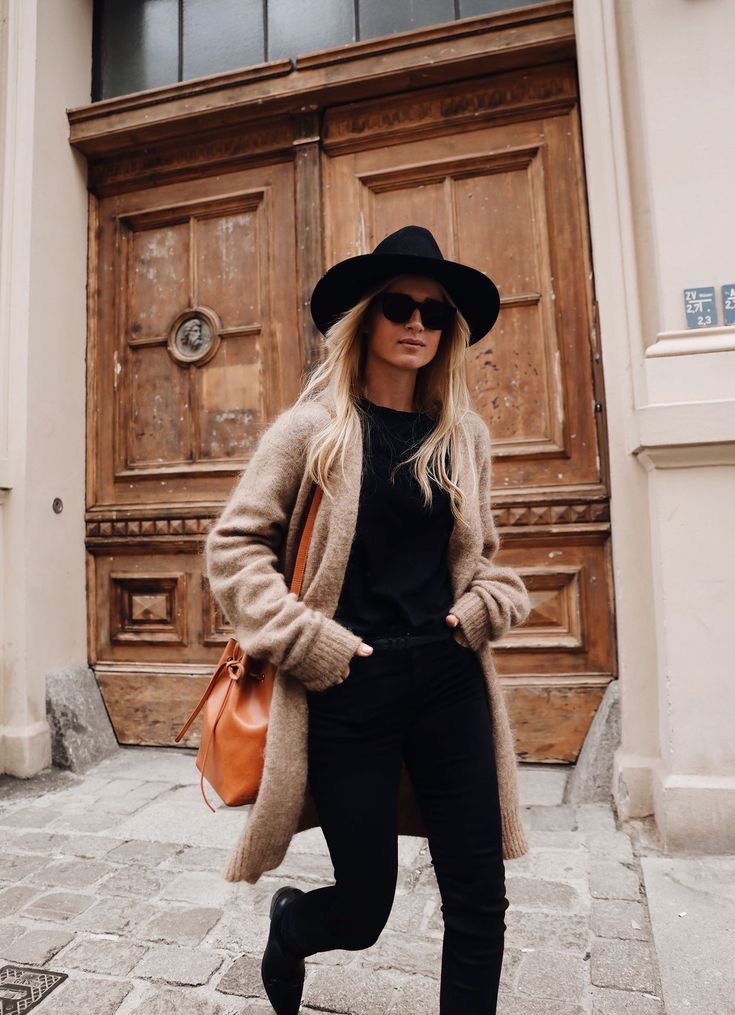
x=23, y=987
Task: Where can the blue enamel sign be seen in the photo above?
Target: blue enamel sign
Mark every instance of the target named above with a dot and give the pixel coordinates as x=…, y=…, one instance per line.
x=701, y=309
x=728, y=303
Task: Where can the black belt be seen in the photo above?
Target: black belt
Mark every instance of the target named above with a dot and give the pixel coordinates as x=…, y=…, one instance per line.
x=400, y=641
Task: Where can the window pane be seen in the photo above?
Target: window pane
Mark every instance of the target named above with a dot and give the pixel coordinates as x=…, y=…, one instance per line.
x=139, y=45
x=469, y=8
x=380, y=18
x=222, y=35
x=297, y=27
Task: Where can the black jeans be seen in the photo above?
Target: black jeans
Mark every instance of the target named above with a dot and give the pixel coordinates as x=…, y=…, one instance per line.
x=426, y=704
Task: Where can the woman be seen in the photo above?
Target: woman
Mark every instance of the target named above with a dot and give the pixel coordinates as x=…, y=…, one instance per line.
x=384, y=666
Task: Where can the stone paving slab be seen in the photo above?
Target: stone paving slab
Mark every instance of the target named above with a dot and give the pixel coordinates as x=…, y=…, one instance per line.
x=57, y=907
x=98, y=996
x=692, y=906
x=34, y=946
x=114, y=877
x=109, y=956
x=552, y=973
x=182, y=925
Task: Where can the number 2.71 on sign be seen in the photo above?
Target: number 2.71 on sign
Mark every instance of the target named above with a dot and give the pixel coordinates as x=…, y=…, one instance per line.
x=700, y=306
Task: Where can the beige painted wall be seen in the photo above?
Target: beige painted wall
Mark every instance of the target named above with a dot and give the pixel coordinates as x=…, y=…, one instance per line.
x=679, y=80
x=43, y=278
x=657, y=78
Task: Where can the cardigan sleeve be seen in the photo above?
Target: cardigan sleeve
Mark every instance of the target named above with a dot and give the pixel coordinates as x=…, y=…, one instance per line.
x=241, y=563
x=496, y=599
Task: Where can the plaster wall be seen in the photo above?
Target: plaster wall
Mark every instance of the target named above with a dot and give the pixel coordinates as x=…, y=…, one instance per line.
x=655, y=79
x=678, y=83
x=43, y=329
x=700, y=637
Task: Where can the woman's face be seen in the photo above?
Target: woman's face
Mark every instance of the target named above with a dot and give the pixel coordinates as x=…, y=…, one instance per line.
x=409, y=345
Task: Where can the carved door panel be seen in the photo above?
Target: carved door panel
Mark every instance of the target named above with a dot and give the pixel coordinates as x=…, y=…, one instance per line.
x=194, y=346
x=494, y=168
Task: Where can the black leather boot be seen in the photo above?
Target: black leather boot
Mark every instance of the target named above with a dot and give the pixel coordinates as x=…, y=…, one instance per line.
x=283, y=973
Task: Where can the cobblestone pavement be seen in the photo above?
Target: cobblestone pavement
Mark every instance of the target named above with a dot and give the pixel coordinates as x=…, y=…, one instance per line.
x=113, y=878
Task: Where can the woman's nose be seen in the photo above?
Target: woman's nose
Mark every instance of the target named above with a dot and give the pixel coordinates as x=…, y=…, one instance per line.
x=415, y=318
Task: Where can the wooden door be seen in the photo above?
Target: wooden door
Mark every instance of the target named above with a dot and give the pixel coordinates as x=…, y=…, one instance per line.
x=202, y=255
x=194, y=346
x=494, y=168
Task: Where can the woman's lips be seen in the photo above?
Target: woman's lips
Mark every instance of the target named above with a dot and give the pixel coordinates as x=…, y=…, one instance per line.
x=412, y=342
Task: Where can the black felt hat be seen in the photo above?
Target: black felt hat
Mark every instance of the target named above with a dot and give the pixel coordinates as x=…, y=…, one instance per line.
x=411, y=250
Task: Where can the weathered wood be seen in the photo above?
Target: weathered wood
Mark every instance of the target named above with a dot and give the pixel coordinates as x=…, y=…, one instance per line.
x=155, y=425
x=550, y=723
x=412, y=115
x=151, y=709
x=162, y=430
x=504, y=198
x=570, y=631
x=309, y=229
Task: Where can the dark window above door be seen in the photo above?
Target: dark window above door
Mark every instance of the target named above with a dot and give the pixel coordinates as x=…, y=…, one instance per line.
x=140, y=44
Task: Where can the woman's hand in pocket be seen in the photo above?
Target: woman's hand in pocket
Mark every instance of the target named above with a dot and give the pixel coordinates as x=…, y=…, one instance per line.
x=459, y=635
x=363, y=649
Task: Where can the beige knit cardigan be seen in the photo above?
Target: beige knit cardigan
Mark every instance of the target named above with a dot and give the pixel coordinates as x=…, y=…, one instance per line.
x=249, y=558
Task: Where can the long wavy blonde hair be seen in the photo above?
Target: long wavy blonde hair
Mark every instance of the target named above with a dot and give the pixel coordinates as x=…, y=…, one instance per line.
x=441, y=391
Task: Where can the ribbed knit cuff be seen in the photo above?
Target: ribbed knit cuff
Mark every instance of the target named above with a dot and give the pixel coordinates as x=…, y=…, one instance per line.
x=515, y=844
x=235, y=870
x=328, y=658
x=472, y=615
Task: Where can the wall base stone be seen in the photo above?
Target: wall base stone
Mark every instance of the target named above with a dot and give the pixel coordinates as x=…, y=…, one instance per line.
x=695, y=813
x=591, y=780
x=81, y=732
x=25, y=751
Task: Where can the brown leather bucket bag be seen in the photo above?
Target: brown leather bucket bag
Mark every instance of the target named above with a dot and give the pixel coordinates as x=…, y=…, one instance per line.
x=236, y=707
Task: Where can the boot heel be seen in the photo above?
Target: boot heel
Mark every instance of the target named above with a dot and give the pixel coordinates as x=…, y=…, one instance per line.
x=277, y=895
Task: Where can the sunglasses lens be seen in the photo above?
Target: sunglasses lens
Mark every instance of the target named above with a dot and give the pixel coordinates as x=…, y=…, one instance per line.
x=399, y=307
x=436, y=315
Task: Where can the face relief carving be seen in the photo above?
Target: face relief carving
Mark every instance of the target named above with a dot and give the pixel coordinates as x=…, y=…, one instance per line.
x=193, y=337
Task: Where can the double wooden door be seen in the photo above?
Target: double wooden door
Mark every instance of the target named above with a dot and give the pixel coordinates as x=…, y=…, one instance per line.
x=199, y=335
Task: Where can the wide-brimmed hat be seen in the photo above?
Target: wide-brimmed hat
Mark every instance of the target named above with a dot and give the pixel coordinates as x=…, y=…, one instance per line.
x=411, y=250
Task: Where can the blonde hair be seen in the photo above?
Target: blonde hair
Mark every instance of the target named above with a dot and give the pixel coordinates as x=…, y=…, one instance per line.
x=441, y=391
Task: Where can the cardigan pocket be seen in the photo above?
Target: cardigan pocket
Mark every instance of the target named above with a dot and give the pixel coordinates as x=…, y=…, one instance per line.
x=460, y=638
x=462, y=644
x=328, y=692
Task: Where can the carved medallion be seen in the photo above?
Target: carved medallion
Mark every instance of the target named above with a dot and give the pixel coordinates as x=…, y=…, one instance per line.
x=194, y=336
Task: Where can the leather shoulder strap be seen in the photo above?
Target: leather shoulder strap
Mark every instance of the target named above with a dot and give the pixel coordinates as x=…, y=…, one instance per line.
x=300, y=565
x=301, y=555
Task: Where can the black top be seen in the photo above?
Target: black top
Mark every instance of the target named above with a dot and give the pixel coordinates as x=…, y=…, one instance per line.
x=397, y=578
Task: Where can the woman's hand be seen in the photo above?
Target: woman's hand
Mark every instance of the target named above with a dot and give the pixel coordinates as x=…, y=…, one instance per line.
x=452, y=620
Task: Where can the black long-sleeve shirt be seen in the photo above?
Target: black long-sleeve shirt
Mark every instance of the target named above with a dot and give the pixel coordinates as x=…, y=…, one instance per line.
x=397, y=578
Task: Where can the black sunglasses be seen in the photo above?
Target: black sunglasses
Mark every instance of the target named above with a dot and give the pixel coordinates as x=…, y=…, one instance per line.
x=399, y=307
